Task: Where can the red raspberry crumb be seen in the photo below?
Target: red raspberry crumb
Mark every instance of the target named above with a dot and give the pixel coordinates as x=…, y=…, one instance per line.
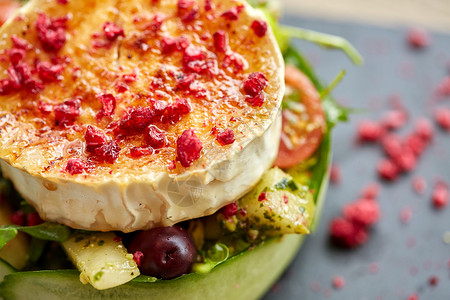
x=419, y=184
x=433, y=281
x=129, y=78
x=418, y=38
x=172, y=165
x=18, y=218
x=112, y=31
x=67, y=112
x=369, y=131
x=20, y=43
x=177, y=110
x=49, y=72
x=51, y=32
x=442, y=117
x=45, y=107
x=184, y=81
x=413, y=297
x=117, y=239
x=75, y=166
x=34, y=219
x=185, y=4
x=14, y=78
x=189, y=15
x=394, y=119
x=424, y=129
x=233, y=13
x=416, y=144
x=136, y=120
x=108, y=102
x=138, y=256
x=108, y=152
x=155, y=137
x=406, y=215
x=226, y=137
x=338, y=282
x=189, y=148
x=371, y=191
x=335, y=174
x=6, y=86
x=388, y=169
x=194, y=60
x=137, y=152
x=443, y=88
x=94, y=138
x=168, y=45
x=262, y=197
x=259, y=28
x=220, y=40
x=208, y=5
x=392, y=145
x=229, y=210
x=347, y=234
x=440, y=196
x=406, y=160
x=257, y=100
x=364, y=212
x=16, y=55
x=255, y=83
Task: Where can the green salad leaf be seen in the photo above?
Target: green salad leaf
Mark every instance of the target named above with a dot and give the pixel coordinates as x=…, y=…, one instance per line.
x=46, y=231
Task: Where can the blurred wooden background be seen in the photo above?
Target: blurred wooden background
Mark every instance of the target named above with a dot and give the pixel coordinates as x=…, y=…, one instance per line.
x=432, y=14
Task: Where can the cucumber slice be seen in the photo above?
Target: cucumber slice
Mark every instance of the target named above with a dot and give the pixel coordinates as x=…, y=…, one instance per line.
x=5, y=269
x=245, y=276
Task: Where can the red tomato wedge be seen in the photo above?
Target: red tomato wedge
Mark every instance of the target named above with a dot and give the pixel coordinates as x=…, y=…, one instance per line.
x=7, y=8
x=304, y=126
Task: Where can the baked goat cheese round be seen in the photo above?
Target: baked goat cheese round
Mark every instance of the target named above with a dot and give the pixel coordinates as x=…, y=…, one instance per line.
x=127, y=115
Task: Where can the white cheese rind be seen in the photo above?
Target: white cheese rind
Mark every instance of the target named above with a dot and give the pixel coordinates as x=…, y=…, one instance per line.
x=141, y=203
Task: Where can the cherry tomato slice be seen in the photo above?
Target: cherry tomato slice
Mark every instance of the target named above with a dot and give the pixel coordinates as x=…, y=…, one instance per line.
x=7, y=8
x=303, y=128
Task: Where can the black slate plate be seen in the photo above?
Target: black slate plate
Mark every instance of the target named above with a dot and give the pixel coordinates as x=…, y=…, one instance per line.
x=399, y=258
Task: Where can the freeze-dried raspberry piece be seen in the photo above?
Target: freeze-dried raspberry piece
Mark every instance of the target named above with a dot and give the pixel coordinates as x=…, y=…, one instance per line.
x=67, y=112
x=108, y=102
x=177, y=110
x=229, y=210
x=418, y=38
x=51, y=32
x=257, y=100
x=155, y=137
x=112, y=31
x=347, y=234
x=371, y=191
x=136, y=120
x=94, y=138
x=233, y=13
x=406, y=160
x=335, y=174
x=49, y=72
x=137, y=152
x=392, y=145
x=255, y=83
x=194, y=60
x=424, y=129
x=189, y=148
x=365, y=212
x=394, y=119
x=388, y=170
x=75, y=166
x=220, y=40
x=16, y=55
x=18, y=218
x=20, y=43
x=168, y=45
x=108, y=152
x=34, y=219
x=442, y=117
x=259, y=27
x=369, y=131
x=226, y=137
x=440, y=196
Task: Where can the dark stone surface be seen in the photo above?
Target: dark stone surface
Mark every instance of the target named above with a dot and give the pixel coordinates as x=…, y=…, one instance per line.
x=403, y=256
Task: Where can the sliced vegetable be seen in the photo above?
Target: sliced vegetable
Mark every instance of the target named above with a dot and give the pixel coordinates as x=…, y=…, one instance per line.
x=101, y=258
x=278, y=205
x=303, y=121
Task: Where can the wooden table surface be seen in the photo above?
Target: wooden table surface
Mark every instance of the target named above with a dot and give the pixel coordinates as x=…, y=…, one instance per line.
x=432, y=14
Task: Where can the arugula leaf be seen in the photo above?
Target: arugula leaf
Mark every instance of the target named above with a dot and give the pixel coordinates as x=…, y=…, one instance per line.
x=7, y=234
x=45, y=231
